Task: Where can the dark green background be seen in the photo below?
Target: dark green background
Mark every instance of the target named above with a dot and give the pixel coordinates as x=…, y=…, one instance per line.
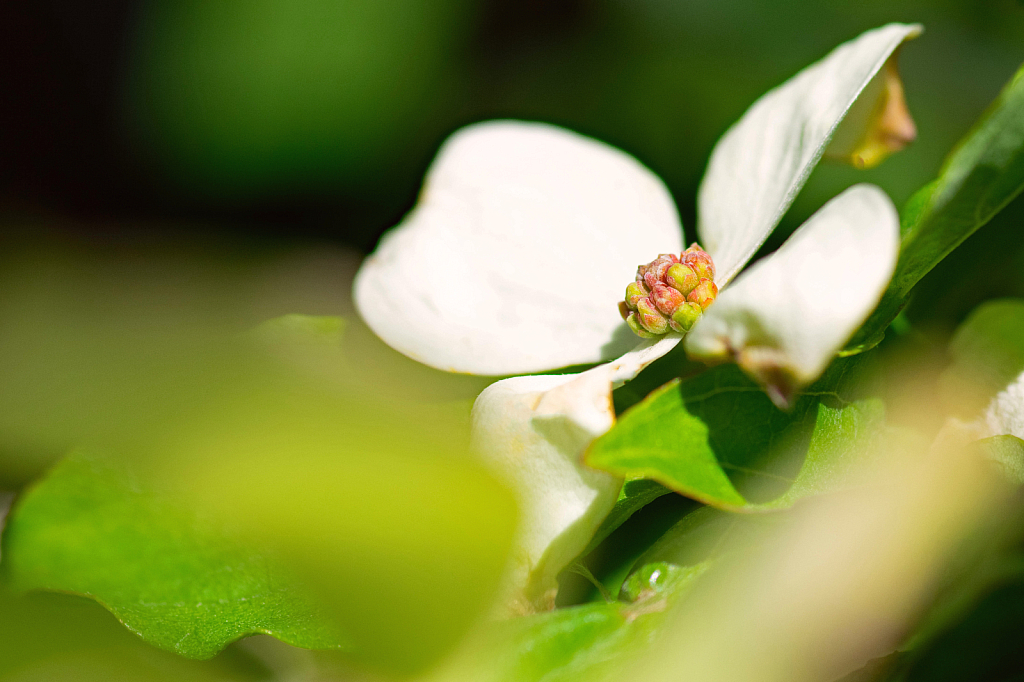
x=317, y=118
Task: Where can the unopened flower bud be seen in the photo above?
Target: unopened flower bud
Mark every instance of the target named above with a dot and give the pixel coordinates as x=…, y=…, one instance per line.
x=656, y=269
x=634, y=324
x=670, y=292
x=704, y=295
x=700, y=261
x=634, y=292
x=682, y=278
x=685, y=317
x=666, y=299
x=650, y=318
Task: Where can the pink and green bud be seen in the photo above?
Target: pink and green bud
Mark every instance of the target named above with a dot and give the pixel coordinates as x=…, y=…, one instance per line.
x=666, y=299
x=634, y=324
x=685, y=317
x=656, y=269
x=682, y=278
x=634, y=292
x=670, y=292
x=650, y=318
x=699, y=261
x=704, y=295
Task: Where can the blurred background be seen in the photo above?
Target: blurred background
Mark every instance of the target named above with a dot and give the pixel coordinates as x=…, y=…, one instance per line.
x=315, y=119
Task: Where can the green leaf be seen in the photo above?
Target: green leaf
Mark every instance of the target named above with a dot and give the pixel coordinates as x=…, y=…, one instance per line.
x=60, y=637
x=87, y=528
x=988, y=355
x=587, y=642
x=635, y=495
x=717, y=438
x=654, y=509
x=979, y=177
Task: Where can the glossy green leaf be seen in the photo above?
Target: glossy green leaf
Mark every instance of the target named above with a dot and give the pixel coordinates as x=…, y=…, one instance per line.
x=988, y=355
x=980, y=177
x=179, y=583
x=717, y=437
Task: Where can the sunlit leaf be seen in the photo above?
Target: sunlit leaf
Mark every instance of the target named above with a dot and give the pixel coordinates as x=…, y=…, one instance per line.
x=714, y=435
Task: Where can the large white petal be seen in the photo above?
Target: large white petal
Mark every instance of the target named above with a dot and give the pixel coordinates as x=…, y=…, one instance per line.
x=532, y=431
x=523, y=242
x=760, y=164
x=786, y=317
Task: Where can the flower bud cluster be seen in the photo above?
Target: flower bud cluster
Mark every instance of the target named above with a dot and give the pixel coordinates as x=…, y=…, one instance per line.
x=670, y=293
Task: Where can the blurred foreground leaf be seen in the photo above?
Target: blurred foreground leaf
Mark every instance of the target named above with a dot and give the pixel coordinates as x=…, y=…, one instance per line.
x=366, y=496
x=978, y=179
x=711, y=435
x=47, y=637
x=179, y=583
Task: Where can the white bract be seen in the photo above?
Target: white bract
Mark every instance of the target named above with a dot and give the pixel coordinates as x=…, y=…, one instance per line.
x=526, y=235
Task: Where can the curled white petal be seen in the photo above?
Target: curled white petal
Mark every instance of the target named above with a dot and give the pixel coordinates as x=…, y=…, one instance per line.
x=762, y=162
x=786, y=317
x=522, y=243
x=532, y=431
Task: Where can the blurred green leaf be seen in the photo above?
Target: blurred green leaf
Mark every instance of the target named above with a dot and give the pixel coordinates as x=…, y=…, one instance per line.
x=978, y=179
x=375, y=504
x=988, y=355
x=47, y=637
x=981, y=643
x=88, y=528
x=710, y=435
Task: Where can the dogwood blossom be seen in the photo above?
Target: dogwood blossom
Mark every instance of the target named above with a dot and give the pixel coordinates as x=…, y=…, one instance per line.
x=525, y=235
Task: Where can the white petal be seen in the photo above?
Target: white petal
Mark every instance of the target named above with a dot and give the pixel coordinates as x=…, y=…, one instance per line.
x=515, y=258
x=532, y=431
x=760, y=164
x=786, y=317
x=1005, y=414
